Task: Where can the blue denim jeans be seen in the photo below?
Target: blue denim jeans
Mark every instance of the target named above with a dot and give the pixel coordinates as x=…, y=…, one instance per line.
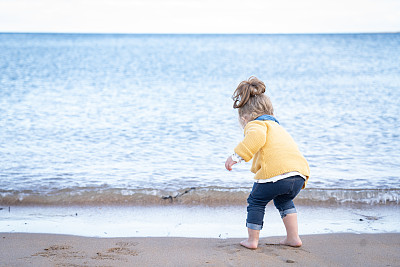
x=281, y=192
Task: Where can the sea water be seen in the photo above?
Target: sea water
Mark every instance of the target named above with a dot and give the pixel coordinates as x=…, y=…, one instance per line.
x=91, y=119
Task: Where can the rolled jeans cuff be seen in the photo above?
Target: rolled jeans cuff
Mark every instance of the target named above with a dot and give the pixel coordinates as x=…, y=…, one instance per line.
x=254, y=226
x=286, y=212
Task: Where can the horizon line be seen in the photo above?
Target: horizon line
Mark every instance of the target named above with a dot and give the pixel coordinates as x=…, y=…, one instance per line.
x=199, y=33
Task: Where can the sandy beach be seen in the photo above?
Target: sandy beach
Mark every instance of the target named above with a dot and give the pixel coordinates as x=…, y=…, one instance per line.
x=24, y=249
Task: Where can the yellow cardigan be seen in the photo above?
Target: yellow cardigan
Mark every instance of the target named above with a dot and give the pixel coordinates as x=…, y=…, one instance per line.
x=273, y=149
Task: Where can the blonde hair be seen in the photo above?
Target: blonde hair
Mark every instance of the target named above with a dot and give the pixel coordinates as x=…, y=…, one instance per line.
x=250, y=100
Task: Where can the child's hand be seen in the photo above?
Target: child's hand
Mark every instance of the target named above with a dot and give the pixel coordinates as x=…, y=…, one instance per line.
x=229, y=163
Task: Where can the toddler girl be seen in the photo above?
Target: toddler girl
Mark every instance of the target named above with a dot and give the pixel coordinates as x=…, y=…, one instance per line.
x=280, y=169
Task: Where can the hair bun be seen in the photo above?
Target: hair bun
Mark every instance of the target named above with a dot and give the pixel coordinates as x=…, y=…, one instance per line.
x=246, y=89
x=257, y=87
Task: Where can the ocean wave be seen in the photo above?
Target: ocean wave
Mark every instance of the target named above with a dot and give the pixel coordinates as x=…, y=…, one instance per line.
x=213, y=196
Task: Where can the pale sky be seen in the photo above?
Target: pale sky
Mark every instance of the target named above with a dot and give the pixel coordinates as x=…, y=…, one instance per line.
x=200, y=16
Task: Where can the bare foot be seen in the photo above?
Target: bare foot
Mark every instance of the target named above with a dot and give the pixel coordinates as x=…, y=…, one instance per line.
x=292, y=243
x=248, y=244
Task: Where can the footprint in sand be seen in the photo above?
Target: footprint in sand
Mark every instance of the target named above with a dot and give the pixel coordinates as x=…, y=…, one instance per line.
x=115, y=253
x=59, y=251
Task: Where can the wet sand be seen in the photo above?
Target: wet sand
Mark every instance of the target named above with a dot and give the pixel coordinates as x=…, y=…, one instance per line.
x=24, y=249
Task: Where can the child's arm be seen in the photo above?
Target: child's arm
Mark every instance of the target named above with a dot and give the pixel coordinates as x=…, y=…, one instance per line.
x=255, y=136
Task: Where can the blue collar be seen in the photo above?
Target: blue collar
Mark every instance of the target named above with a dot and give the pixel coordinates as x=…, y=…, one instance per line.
x=267, y=118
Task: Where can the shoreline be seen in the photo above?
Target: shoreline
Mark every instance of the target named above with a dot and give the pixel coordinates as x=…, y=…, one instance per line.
x=193, y=221
x=24, y=249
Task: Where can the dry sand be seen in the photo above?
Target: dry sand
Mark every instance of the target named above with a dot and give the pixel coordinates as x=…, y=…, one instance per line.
x=318, y=250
